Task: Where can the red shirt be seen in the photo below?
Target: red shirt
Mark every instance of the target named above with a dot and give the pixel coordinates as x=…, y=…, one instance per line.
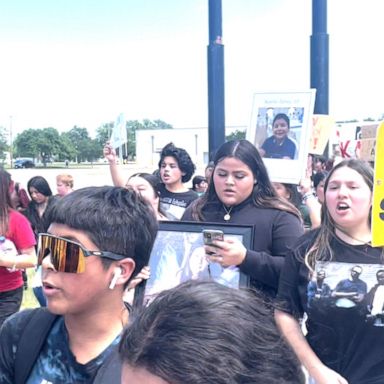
x=21, y=233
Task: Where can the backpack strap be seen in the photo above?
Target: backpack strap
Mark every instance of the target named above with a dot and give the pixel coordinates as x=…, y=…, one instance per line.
x=110, y=370
x=31, y=341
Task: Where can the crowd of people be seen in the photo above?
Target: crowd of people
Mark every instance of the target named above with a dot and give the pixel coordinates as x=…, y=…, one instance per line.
x=314, y=304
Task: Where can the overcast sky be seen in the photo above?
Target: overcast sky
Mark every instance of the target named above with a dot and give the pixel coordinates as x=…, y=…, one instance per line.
x=82, y=62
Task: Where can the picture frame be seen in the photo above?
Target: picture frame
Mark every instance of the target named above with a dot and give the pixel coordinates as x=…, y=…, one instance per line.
x=178, y=255
x=284, y=154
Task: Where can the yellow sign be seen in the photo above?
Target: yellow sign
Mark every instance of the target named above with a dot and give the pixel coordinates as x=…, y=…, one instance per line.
x=378, y=191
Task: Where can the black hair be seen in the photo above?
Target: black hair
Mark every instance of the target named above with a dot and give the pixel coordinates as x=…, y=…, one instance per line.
x=40, y=184
x=39, y=222
x=264, y=194
x=183, y=159
x=115, y=219
x=202, y=332
x=320, y=159
x=197, y=180
x=318, y=177
x=281, y=116
x=154, y=182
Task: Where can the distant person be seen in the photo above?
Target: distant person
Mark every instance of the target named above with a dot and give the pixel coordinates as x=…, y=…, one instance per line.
x=199, y=185
x=291, y=193
x=145, y=184
x=204, y=332
x=279, y=146
x=319, y=164
x=318, y=184
x=18, y=252
x=19, y=197
x=209, y=170
x=64, y=184
x=41, y=199
x=176, y=168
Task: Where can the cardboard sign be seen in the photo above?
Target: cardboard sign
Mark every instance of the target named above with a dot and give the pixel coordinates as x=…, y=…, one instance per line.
x=322, y=125
x=368, y=142
x=378, y=191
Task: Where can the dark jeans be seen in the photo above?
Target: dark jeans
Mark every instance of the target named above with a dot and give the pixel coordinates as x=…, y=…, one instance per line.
x=10, y=302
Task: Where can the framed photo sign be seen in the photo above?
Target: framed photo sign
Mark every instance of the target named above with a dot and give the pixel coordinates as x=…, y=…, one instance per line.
x=280, y=128
x=178, y=255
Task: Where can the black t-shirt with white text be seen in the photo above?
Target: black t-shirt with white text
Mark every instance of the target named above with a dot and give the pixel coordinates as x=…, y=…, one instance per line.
x=174, y=204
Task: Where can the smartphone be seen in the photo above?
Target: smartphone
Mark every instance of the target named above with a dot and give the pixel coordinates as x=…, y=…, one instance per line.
x=210, y=235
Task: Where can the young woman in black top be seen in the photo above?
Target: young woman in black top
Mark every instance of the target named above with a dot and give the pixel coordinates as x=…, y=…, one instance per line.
x=240, y=192
x=345, y=337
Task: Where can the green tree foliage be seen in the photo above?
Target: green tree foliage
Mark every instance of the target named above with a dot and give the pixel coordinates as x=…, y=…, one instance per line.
x=85, y=148
x=76, y=144
x=38, y=143
x=237, y=135
x=26, y=143
x=103, y=133
x=3, y=143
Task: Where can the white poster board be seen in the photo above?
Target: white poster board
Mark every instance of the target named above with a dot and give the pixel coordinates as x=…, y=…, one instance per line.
x=284, y=149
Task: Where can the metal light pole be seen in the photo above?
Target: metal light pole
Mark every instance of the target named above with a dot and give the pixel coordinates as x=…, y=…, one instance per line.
x=215, y=51
x=320, y=55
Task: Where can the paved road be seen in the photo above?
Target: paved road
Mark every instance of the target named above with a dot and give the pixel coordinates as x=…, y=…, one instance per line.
x=84, y=177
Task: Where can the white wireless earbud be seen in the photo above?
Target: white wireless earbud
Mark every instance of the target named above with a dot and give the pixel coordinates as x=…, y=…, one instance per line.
x=116, y=274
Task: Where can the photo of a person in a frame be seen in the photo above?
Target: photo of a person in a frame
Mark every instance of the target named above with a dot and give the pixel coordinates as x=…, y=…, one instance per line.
x=279, y=145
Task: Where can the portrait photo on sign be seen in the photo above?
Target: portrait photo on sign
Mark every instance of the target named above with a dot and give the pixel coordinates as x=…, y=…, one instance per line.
x=280, y=128
x=179, y=255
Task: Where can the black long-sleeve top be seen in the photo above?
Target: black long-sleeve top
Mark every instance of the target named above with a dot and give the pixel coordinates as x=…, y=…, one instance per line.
x=274, y=234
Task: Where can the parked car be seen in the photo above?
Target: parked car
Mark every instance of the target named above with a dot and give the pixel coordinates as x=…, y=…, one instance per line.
x=24, y=163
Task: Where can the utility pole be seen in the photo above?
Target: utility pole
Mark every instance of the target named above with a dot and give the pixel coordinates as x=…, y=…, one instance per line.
x=216, y=106
x=10, y=141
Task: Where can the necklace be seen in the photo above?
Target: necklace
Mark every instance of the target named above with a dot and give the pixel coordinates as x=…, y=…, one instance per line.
x=358, y=241
x=227, y=216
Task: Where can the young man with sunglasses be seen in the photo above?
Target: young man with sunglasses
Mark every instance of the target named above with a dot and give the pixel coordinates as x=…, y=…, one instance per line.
x=100, y=237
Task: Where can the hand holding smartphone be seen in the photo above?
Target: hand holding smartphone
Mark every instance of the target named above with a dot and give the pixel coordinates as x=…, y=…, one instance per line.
x=210, y=235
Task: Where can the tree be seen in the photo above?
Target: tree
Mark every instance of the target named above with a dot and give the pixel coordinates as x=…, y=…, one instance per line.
x=85, y=149
x=48, y=144
x=3, y=143
x=68, y=150
x=26, y=143
x=237, y=135
x=104, y=133
x=38, y=143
